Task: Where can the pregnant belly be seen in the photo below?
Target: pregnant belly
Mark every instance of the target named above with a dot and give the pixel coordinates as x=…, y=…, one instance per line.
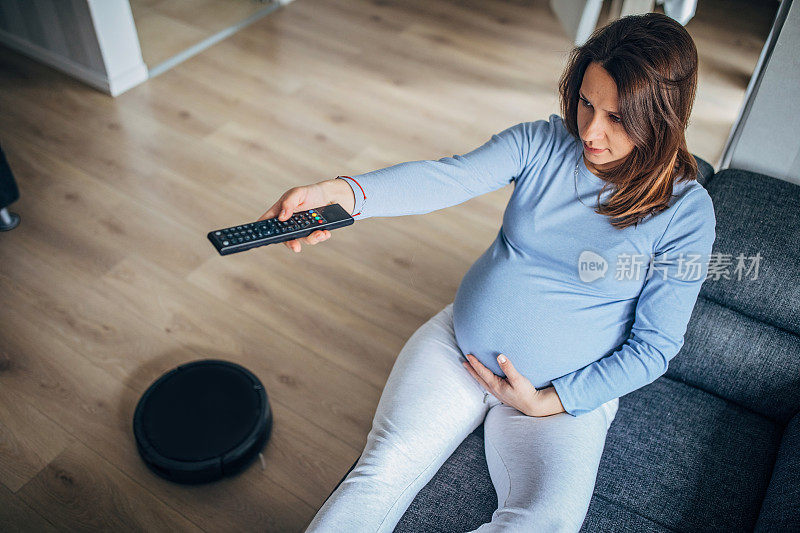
x=546, y=328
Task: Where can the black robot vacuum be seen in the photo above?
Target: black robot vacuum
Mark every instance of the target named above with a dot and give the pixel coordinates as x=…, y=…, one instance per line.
x=202, y=421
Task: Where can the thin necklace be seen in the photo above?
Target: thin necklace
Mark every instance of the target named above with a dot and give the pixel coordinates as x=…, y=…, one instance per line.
x=575, y=174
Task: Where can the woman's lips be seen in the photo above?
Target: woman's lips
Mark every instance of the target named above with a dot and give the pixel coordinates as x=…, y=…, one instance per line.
x=593, y=150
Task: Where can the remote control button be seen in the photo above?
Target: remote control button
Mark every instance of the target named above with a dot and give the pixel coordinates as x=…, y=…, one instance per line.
x=218, y=233
x=226, y=243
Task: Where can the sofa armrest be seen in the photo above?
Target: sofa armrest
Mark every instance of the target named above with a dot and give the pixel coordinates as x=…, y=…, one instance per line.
x=704, y=170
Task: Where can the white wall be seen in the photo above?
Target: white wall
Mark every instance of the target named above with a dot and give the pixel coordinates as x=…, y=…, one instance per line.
x=764, y=138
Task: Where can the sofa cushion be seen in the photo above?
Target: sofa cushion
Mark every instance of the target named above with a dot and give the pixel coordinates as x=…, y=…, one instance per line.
x=687, y=459
x=604, y=515
x=743, y=340
x=757, y=214
x=741, y=359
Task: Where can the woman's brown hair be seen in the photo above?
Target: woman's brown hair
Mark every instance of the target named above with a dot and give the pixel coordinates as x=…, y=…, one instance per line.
x=653, y=61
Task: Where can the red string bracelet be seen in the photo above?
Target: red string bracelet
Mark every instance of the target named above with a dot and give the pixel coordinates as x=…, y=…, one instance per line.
x=360, y=187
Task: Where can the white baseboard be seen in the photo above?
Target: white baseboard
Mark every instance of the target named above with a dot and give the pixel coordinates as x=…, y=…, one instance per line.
x=128, y=79
x=98, y=80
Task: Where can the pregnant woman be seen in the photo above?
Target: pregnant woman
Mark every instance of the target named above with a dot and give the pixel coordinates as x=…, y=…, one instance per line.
x=583, y=297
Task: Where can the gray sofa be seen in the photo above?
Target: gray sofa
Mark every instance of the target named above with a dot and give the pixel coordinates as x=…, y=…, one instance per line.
x=714, y=444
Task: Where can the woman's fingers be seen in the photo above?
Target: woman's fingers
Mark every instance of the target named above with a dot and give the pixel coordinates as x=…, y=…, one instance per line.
x=317, y=236
x=286, y=204
x=491, y=380
x=273, y=211
x=476, y=376
x=314, y=238
x=323, y=235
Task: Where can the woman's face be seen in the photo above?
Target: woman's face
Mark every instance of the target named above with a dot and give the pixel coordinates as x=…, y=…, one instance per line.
x=599, y=121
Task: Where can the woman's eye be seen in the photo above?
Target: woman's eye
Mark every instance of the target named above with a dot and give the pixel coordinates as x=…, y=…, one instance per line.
x=586, y=103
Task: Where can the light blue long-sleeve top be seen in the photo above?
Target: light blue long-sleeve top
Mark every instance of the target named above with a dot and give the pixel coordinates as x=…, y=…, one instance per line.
x=571, y=300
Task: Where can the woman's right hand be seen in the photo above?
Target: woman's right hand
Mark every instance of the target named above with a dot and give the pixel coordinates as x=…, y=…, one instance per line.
x=300, y=199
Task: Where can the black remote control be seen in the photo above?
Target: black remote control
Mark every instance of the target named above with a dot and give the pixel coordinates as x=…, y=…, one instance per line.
x=271, y=231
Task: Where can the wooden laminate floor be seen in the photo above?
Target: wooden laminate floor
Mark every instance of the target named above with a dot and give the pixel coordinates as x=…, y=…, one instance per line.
x=109, y=281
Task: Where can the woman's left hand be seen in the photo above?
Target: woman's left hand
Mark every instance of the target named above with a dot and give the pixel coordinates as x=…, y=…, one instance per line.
x=515, y=389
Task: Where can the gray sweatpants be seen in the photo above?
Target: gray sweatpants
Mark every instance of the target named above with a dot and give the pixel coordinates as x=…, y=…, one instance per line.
x=543, y=468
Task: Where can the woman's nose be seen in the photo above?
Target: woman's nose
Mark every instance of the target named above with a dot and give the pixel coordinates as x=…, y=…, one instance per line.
x=594, y=130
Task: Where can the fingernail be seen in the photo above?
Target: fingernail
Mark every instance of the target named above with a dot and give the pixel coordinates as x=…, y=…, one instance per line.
x=502, y=358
